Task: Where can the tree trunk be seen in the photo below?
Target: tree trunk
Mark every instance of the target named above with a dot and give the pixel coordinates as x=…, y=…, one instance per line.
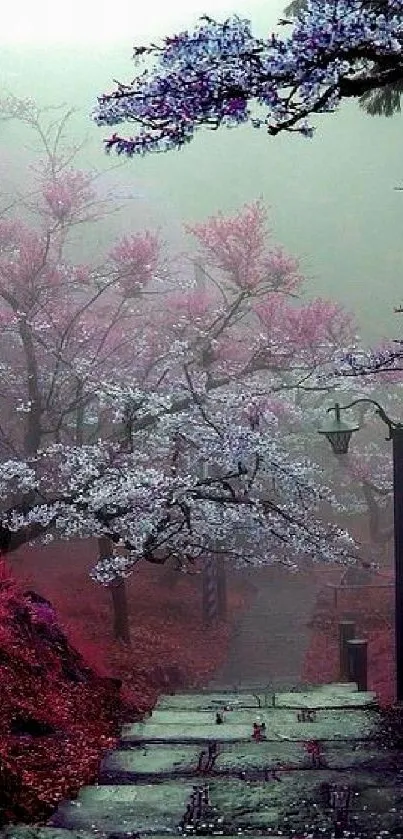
x=80, y=413
x=121, y=625
x=33, y=430
x=222, y=588
x=377, y=534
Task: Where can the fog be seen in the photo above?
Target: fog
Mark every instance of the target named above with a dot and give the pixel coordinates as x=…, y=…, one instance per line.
x=165, y=496
x=333, y=198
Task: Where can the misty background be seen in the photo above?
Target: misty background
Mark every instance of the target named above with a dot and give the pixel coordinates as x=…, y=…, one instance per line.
x=333, y=200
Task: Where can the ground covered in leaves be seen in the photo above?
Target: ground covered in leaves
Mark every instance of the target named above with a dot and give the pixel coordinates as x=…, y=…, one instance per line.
x=61, y=705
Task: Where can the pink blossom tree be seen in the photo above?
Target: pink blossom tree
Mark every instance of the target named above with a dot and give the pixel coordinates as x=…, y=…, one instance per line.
x=65, y=326
x=63, y=323
x=173, y=376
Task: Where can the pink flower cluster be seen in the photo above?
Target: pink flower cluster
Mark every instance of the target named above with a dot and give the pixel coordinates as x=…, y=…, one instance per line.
x=269, y=409
x=28, y=270
x=136, y=259
x=21, y=254
x=314, y=327
x=195, y=303
x=237, y=245
x=68, y=194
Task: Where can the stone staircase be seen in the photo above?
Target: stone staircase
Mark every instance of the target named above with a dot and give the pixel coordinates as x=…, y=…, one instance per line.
x=269, y=787
x=272, y=635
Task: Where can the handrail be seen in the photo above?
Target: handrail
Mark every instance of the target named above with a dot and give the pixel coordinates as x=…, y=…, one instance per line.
x=347, y=586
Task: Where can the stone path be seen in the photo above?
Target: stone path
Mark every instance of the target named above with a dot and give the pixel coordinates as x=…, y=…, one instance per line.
x=255, y=787
x=270, y=641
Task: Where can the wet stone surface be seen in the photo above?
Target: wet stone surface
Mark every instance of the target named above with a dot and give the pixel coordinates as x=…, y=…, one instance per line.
x=334, y=695
x=244, y=805
x=281, y=724
x=157, y=759
x=274, y=787
x=32, y=832
x=143, y=808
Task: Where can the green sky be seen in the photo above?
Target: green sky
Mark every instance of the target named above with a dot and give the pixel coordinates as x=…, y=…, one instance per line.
x=332, y=198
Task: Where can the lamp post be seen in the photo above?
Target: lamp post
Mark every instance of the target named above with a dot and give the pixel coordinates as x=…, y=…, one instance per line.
x=339, y=433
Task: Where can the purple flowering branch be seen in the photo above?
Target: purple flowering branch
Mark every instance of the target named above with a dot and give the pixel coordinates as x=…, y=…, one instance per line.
x=373, y=361
x=221, y=74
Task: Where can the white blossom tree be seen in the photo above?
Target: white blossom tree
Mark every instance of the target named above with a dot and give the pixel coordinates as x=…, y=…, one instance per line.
x=170, y=375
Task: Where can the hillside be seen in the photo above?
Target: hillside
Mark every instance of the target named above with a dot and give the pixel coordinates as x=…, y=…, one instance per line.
x=66, y=686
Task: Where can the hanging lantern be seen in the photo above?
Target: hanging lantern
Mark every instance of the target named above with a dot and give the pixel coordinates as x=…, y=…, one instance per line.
x=338, y=432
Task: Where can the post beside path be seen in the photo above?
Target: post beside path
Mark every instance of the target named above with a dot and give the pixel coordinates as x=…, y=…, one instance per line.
x=358, y=662
x=346, y=633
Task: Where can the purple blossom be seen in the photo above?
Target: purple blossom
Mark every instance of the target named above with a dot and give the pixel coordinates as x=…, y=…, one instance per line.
x=209, y=76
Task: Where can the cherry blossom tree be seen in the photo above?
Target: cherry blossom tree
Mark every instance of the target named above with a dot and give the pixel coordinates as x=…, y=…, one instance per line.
x=205, y=403
x=62, y=323
x=63, y=326
x=222, y=74
x=192, y=391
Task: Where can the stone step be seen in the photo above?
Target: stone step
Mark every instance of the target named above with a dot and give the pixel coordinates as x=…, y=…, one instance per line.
x=141, y=808
x=281, y=724
x=332, y=696
x=271, y=716
x=159, y=808
x=26, y=831
x=146, y=783
x=152, y=762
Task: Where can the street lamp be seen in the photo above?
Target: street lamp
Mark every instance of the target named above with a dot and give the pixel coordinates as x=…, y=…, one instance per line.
x=339, y=433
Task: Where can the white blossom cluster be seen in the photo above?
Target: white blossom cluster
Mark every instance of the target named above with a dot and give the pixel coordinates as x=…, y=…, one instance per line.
x=108, y=569
x=253, y=502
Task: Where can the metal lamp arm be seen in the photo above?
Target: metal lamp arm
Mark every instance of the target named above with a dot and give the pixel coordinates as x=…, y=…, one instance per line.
x=335, y=432
x=379, y=410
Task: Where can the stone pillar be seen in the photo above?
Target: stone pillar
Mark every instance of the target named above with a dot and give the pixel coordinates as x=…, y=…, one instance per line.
x=358, y=662
x=346, y=632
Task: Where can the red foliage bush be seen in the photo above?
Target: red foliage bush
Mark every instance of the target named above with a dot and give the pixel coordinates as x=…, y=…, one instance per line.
x=165, y=619
x=53, y=728
x=170, y=649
